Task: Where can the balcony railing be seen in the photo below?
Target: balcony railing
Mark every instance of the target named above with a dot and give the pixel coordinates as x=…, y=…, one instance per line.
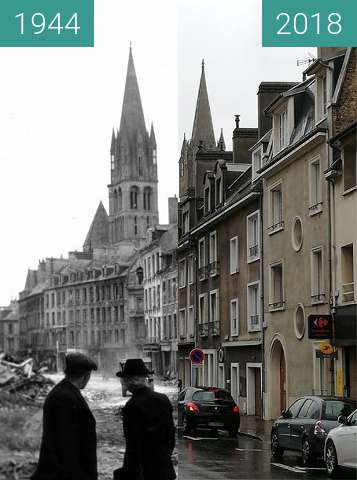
x=318, y=297
x=277, y=304
x=214, y=268
x=348, y=292
x=315, y=207
x=214, y=328
x=276, y=226
x=202, y=273
x=254, y=321
x=203, y=329
x=253, y=251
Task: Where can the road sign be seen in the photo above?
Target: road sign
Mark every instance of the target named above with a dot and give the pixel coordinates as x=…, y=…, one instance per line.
x=320, y=326
x=326, y=348
x=196, y=356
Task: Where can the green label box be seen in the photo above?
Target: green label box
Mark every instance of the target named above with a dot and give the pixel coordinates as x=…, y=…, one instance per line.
x=309, y=23
x=46, y=23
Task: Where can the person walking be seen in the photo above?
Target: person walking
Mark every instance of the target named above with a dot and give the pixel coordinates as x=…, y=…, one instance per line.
x=69, y=445
x=149, y=429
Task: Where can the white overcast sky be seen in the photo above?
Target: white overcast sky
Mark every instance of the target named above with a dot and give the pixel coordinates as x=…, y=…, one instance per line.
x=58, y=107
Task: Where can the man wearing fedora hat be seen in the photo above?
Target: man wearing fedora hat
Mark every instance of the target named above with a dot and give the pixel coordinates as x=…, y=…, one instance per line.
x=148, y=428
x=69, y=445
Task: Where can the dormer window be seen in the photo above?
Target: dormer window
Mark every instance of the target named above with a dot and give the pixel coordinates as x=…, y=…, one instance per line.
x=322, y=96
x=207, y=200
x=256, y=161
x=283, y=129
x=219, y=192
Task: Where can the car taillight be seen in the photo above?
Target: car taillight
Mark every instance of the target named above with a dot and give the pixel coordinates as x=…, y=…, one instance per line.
x=319, y=430
x=235, y=409
x=192, y=407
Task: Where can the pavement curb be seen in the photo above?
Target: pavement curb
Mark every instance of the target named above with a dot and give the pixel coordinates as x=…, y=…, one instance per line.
x=251, y=435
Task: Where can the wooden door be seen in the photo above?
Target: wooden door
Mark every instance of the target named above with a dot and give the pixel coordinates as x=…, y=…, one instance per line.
x=282, y=382
x=257, y=391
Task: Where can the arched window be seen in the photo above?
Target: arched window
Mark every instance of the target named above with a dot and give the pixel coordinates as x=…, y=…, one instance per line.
x=135, y=226
x=115, y=206
x=134, y=198
x=140, y=275
x=120, y=200
x=147, y=198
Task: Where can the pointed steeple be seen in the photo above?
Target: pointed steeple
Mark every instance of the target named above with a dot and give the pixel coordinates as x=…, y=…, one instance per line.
x=98, y=234
x=112, y=147
x=132, y=116
x=221, y=145
x=152, y=136
x=202, y=125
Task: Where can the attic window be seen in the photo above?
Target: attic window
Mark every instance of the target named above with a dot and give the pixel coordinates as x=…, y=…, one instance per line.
x=219, y=196
x=283, y=129
x=256, y=161
x=207, y=200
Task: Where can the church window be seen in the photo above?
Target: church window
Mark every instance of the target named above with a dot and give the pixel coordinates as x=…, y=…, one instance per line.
x=147, y=222
x=134, y=198
x=120, y=200
x=140, y=165
x=115, y=200
x=112, y=162
x=147, y=198
x=154, y=156
x=135, y=226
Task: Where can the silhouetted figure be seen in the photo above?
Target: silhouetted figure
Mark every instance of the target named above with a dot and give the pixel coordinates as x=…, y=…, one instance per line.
x=69, y=444
x=148, y=428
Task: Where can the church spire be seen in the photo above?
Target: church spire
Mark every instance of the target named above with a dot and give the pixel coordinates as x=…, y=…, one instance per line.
x=202, y=125
x=112, y=147
x=132, y=116
x=152, y=136
x=221, y=145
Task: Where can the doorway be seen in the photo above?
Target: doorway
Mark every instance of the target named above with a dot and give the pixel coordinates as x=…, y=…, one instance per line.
x=254, y=389
x=277, y=379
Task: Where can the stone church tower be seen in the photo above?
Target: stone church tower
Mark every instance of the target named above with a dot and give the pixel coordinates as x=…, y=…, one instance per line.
x=133, y=205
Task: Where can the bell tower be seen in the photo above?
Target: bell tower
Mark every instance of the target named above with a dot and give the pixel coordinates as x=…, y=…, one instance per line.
x=133, y=203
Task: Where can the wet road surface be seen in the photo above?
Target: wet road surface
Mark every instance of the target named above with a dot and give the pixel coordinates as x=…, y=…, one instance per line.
x=209, y=458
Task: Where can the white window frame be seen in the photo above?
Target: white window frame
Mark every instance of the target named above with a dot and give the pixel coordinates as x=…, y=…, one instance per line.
x=182, y=278
x=315, y=204
x=190, y=264
x=213, y=251
x=235, y=367
x=253, y=258
x=322, y=86
x=221, y=380
x=191, y=322
x=219, y=191
x=234, y=331
x=317, y=296
x=201, y=246
x=182, y=326
x=205, y=301
x=234, y=246
x=211, y=293
x=352, y=187
x=271, y=272
x=274, y=225
x=250, y=327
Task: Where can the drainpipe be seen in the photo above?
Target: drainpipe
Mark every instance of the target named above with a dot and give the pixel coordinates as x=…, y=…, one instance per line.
x=261, y=273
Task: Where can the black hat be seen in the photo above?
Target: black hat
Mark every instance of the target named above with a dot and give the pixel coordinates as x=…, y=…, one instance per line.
x=134, y=367
x=78, y=363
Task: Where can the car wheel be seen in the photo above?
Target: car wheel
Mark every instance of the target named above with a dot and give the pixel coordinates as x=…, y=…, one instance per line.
x=233, y=432
x=187, y=426
x=276, y=450
x=331, y=460
x=306, y=454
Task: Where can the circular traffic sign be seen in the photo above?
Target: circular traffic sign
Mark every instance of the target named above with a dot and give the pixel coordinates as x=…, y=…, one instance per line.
x=196, y=356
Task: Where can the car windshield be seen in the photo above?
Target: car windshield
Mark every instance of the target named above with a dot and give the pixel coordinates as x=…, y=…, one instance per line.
x=335, y=408
x=211, y=396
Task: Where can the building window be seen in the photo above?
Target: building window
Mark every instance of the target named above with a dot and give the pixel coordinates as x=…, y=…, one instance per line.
x=202, y=269
x=317, y=276
x=134, y=198
x=283, y=129
x=347, y=271
x=297, y=234
x=185, y=222
x=191, y=322
x=135, y=226
x=219, y=192
x=276, y=209
x=253, y=233
x=315, y=187
x=233, y=255
x=234, y=317
x=349, y=164
x=214, y=306
x=253, y=306
x=182, y=323
x=214, y=267
x=202, y=315
x=182, y=273
x=190, y=266
x=256, y=161
x=276, y=287
x=207, y=202
x=299, y=321
x=147, y=198
x=322, y=97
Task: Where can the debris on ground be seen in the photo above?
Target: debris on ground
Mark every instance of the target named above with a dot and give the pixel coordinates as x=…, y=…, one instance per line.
x=21, y=380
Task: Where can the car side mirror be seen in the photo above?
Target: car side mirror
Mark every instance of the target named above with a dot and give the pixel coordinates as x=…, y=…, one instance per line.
x=342, y=419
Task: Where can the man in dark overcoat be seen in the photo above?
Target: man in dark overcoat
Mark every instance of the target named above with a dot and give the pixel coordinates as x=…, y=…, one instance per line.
x=69, y=445
x=148, y=428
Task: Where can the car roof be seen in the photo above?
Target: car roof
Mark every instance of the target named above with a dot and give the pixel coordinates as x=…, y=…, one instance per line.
x=328, y=397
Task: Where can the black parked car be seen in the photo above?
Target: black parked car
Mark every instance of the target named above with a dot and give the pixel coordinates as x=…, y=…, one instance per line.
x=305, y=424
x=208, y=407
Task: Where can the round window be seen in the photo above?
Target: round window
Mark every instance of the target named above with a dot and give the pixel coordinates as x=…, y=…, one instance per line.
x=299, y=321
x=297, y=234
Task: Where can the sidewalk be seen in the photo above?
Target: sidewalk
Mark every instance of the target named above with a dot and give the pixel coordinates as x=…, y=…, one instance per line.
x=255, y=427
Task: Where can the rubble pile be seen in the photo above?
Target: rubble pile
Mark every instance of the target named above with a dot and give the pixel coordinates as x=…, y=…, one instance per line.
x=13, y=470
x=20, y=381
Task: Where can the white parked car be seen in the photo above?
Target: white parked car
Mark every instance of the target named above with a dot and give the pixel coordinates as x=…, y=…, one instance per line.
x=341, y=445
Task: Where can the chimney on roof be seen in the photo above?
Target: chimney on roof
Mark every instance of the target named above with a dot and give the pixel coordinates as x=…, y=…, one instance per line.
x=172, y=210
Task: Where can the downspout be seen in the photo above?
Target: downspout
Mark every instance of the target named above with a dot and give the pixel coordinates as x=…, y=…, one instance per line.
x=261, y=273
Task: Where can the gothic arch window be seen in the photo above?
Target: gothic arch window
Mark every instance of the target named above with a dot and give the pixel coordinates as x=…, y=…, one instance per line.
x=140, y=275
x=147, y=198
x=147, y=222
x=134, y=198
x=135, y=226
x=140, y=165
x=120, y=200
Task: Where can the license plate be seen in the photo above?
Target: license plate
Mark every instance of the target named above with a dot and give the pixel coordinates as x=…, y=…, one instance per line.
x=215, y=424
